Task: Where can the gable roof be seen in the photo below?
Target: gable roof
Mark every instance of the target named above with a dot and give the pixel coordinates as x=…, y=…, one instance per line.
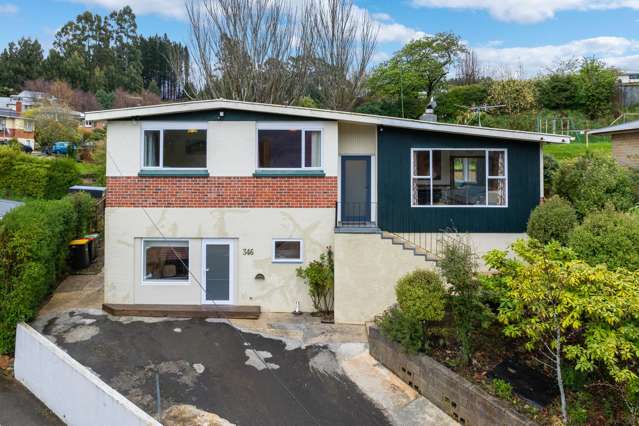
x=322, y=114
x=631, y=126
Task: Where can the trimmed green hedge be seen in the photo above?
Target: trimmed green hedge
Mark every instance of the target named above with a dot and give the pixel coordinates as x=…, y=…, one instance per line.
x=34, y=248
x=26, y=176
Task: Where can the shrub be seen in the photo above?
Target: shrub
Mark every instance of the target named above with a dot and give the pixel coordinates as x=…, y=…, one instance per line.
x=502, y=389
x=33, y=251
x=552, y=220
x=591, y=182
x=398, y=327
x=459, y=265
x=421, y=296
x=550, y=167
x=319, y=275
x=608, y=237
x=23, y=175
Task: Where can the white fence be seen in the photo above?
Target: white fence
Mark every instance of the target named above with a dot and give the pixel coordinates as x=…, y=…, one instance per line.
x=68, y=388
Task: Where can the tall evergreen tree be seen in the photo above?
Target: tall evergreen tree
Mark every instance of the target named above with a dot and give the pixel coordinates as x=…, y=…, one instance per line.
x=19, y=62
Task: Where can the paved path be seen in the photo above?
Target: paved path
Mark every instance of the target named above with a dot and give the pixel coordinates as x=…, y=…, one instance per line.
x=18, y=407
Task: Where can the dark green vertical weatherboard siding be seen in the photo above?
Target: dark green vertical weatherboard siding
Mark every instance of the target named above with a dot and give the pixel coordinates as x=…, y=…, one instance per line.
x=394, y=187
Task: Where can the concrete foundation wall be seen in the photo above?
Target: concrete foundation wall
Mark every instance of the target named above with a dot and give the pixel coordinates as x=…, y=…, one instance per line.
x=625, y=149
x=367, y=268
x=460, y=399
x=69, y=389
x=251, y=229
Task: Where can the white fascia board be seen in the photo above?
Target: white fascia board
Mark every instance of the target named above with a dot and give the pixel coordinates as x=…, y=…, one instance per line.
x=194, y=106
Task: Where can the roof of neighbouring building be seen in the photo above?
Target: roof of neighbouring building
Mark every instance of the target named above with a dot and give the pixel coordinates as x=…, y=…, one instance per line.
x=7, y=112
x=322, y=114
x=631, y=126
x=7, y=205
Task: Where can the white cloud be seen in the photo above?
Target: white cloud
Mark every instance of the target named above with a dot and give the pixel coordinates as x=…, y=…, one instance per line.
x=527, y=11
x=167, y=8
x=616, y=51
x=394, y=32
x=8, y=9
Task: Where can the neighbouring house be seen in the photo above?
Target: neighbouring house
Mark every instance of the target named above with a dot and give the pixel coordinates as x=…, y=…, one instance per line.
x=629, y=88
x=625, y=142
x=220, y=201
x=13, y=125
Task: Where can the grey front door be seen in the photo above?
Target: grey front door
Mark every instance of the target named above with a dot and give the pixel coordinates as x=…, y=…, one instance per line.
x=218, y=272
x=356, y=188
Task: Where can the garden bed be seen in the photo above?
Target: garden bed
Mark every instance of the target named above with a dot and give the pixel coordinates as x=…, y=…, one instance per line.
x=463, y=401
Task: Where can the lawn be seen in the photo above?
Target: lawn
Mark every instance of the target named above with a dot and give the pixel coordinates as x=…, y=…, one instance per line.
x=576, y=148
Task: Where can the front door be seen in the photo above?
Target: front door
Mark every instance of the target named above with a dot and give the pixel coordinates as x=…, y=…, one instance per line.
x=218, y=271
x=356, y=188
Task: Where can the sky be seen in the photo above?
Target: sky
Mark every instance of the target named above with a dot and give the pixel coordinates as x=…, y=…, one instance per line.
x=508, y=36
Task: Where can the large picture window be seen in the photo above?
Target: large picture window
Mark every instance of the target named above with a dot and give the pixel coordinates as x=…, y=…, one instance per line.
x=165, y=261
x=458, y=177
x=289, y=148
x=174, y=148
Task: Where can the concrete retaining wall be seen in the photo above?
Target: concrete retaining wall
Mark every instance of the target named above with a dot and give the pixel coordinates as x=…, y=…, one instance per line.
x=460, y=399
x=68, y=388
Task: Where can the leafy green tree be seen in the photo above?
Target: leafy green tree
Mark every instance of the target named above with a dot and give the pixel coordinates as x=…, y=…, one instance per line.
x=105, y=99
x=590, y=182
x=453, y=102
x=558, y=90
x=53, y=125
x=565, y=309
x=514, y=95
x=153, y=88
x=459, y=266
x=417, y=72
x=595, y=87
x=320, y=278
x=19, y=62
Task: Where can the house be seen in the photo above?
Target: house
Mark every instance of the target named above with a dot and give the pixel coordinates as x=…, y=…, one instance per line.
x=628, y=88
x=625, y=142
x=14, y=126
x=220, y=201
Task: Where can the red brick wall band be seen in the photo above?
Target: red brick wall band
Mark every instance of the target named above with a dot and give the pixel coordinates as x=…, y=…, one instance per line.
x=231, y=191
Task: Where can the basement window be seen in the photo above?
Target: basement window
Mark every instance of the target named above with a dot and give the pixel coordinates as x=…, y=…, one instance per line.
x=174, y=148
x=165, y=261
x=288, y=250
x=289, y=148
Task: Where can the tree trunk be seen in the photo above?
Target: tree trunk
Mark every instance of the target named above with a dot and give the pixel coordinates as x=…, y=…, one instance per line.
x=560, y=382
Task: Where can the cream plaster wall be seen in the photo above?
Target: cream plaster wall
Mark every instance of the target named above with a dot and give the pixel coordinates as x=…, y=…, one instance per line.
x=123, y=146
x=366, y=270
x=251, y=229
x=231, y=146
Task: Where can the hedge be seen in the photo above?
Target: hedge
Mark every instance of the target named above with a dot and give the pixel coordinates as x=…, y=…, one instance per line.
x=26, y=176
x=34, y=242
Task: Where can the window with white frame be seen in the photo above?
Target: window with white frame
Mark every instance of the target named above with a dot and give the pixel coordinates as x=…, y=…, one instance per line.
x=288, y=250
x=295, y=148
x=28, y=126
x=458, y=177
x=176, y=148
x=165, y=261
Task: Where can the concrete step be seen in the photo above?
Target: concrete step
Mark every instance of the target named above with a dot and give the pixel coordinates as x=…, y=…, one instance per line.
x=407, y=245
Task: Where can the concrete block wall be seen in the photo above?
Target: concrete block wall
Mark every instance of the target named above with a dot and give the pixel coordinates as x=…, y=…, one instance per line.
x=463, y=401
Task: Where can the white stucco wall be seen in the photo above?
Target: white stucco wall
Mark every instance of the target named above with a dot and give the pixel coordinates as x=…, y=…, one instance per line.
x=250, y=228
x=231, y=146
x=367, y=268
x=74, y=393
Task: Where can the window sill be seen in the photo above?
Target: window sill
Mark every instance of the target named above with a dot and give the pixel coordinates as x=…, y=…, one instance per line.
x=168, y=172
x=288, y=173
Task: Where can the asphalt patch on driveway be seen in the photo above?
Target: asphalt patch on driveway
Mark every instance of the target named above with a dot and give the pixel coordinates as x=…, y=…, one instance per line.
x=213, y=367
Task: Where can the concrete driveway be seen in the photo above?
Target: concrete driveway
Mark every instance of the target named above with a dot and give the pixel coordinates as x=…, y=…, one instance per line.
x=213, y=366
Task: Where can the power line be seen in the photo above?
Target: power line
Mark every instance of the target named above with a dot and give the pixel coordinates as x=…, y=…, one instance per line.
x=246, y=343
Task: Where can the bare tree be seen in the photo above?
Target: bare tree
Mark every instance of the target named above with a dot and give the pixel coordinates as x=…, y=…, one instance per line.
x=250, y=50
x=270, y=51
x=346, y=39
x=469, y=71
